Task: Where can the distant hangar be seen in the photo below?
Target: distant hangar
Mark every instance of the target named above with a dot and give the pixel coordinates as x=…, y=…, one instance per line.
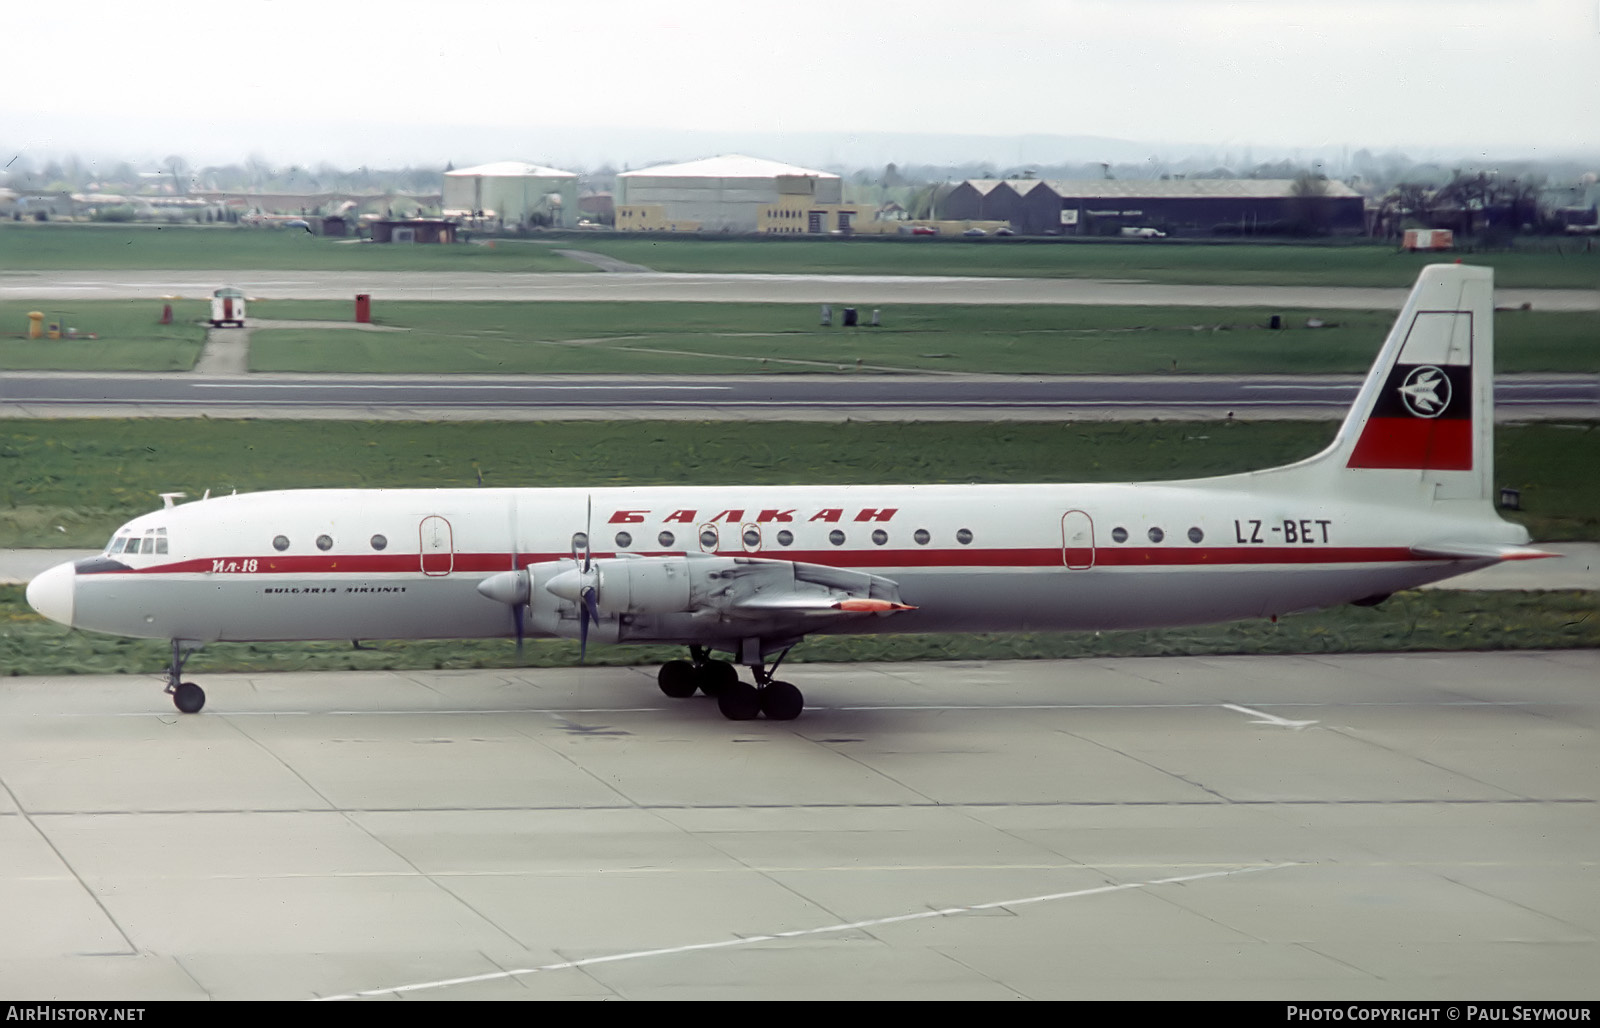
x=731, y=193
x=1179, y=206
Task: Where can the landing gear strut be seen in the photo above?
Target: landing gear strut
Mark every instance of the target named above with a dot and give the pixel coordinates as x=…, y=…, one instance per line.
x=738, y=701
x=186, y=696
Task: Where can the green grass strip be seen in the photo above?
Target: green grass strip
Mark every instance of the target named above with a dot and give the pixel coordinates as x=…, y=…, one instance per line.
x=26, y=246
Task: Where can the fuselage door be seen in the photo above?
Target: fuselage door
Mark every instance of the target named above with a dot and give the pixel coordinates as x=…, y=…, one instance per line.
x=438, y=546
x=1077, y=540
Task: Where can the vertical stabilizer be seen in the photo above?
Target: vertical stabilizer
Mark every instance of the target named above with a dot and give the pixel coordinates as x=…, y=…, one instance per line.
x=1426, y=412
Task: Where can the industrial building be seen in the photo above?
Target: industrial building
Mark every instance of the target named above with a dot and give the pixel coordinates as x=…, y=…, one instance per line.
x=731, y=193
x=1174, y=206
x=511, y=194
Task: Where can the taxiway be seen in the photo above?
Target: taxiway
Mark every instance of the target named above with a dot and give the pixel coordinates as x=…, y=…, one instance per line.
x=1312, y=827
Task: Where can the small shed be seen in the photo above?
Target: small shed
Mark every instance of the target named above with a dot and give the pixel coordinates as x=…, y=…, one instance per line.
x=227, y=307
x=1428, y=239
x=414, y=230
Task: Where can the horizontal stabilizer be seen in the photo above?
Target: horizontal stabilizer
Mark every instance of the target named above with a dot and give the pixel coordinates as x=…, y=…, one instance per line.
x=1479, y=551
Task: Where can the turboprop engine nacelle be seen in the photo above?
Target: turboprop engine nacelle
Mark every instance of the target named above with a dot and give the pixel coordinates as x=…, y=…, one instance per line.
x=696, y=584
x=647, y=585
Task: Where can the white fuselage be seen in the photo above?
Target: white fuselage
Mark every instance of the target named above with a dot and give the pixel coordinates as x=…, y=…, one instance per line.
x=369, y=564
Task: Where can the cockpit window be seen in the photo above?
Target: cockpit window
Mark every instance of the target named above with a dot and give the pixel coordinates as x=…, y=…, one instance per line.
x=117, y=544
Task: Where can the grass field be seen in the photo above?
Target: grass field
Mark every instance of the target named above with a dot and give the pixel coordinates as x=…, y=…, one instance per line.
x=1413, y=621
x=71, y=482
x=33, y=247
x=745, y=338
x=131, y=337
x=26, y=246
x=1144, y=260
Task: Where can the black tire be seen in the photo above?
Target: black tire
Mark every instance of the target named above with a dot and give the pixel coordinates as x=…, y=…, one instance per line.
x=678, y=679
x=739, y=701
x=716, y=676
x=781, y=701
x=188, y=697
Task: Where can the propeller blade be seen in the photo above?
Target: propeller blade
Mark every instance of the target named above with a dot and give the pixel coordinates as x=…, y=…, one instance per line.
x=588, y=523
x=516, y=608
x=586, y=610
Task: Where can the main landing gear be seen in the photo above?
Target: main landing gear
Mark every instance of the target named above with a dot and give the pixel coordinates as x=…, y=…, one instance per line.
x=186, y=696
x=738, y=701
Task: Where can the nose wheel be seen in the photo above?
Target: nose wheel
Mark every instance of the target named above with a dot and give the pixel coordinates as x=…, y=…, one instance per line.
x=186, y=696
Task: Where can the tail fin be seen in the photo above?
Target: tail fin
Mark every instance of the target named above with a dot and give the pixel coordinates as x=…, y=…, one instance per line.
x=1425, y=414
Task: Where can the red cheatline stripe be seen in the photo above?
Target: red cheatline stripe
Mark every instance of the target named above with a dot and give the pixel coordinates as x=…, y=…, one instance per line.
x=1042, y=558
x=1439, y=444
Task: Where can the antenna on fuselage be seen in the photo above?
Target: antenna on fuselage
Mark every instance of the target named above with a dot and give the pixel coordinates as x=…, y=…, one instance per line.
x=171, y=499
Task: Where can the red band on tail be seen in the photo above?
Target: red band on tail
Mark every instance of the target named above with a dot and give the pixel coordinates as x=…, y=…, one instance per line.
x=1438, y=444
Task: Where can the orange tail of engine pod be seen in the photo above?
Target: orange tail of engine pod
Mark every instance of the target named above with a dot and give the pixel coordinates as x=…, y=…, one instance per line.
x=870, y=606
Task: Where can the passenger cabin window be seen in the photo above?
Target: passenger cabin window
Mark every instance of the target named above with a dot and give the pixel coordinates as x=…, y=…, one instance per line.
x=785, y=537
x=280, y=543
x=379, y=542
x=1195, y=535
x=624, y=540
x=666, y=539
x=1119, y=534
x=879, y=537
x=324, y=542
x=922, y=536
x=964, y=536
x=1156, y=535
x=836, y=537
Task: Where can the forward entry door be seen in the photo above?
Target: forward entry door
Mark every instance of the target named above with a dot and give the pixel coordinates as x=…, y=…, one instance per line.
x=438, y=546
x=1077, y=540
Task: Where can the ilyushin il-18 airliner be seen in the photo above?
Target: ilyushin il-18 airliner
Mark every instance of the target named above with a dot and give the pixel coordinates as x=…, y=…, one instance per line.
x=1401, y=497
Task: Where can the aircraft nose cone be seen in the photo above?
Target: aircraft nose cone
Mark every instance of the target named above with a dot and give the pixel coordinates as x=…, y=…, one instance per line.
x=50, y=593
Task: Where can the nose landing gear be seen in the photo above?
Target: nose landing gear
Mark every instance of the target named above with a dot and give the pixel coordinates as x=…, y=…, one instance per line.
x=186, y=696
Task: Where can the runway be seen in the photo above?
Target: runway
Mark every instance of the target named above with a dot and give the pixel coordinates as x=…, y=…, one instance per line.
x=1354, y=827
x=740, y=398
x=720, y=288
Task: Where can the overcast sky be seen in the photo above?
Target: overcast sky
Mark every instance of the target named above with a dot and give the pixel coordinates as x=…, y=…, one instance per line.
x=403, y=81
